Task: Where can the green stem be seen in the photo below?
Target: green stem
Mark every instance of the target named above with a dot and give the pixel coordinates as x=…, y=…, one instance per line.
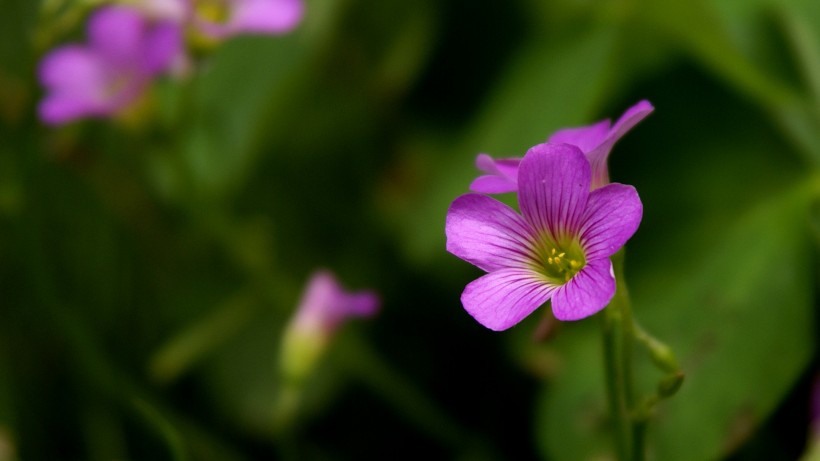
x=637, y=428
x=615, y=382
x=619, y=340
x=623, y=303
x=639, y=439
x=621, y=333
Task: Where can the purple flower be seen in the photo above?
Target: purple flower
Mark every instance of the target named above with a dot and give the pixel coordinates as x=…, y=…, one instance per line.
x=124, y=52
x=595, y=141
x=501, y=177
x=558, y=247
x=325, y=304
x=249, y=16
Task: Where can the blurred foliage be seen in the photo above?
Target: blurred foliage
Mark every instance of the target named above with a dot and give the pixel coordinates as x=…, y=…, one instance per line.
x=147, y=268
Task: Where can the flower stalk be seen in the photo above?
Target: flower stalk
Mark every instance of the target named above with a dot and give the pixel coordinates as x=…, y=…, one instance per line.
x=615, y=383
x=617, y=341
x=630, y=417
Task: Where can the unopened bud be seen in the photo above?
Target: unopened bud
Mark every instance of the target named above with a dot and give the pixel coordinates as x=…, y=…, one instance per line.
x=670, y=384
x=325, y=305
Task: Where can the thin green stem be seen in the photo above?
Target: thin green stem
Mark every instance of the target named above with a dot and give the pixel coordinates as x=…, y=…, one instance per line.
x=637, y=445
x=615, y=381
x=639, y=439
x=623, y=303
x=621, y=333
x=619, y=339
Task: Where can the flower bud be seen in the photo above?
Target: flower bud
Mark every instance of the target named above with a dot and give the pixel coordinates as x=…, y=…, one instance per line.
x=325, y=305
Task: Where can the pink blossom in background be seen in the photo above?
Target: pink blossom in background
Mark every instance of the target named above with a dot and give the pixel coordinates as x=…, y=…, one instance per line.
x=324, y=307
x=558, y=248
x=595, y=141
x=326, y=304
x=125, y=51
x=252, y=17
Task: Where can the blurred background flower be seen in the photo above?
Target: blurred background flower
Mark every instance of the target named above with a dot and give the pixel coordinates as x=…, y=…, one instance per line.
x=107, y=76
x=223, y=18
x=149, y=267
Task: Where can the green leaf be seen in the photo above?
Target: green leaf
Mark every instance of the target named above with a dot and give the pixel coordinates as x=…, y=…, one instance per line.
x=741, y=324
x=235, y=100
x=719, y=38
x=750, y=308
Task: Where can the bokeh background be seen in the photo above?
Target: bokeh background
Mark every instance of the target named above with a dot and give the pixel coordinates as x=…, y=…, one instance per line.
x=149, y=266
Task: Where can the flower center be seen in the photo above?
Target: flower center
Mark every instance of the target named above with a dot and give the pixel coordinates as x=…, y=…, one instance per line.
x=559, y=262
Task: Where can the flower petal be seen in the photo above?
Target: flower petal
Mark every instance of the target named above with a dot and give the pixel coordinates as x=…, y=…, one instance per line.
x=266, y=16
x=585, y=138
x=489, y=184
x=553, y=186
x=71, y=67
x=501, y=177
x=326, y=304
x=612, y=216
x=75, y=78
x=629, y=119
x=486, y=233
x=57, y=109
x=586, y=293
x=163, y=46
x=361, y=303
x=507, y=167
x=116, y=32
x=503, y=298
x=599, y=155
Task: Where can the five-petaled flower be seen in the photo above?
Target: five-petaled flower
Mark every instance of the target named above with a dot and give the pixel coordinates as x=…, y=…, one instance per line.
x=595, y=141
x=558, y=248
x=125, y=51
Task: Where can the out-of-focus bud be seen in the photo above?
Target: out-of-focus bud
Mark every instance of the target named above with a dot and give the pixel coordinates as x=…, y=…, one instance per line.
x=325, y=305
x=669, y=385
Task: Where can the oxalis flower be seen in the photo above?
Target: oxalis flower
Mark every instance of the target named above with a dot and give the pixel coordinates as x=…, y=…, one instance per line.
x=125, y=51
x=558, y=248
x=325, y=305
x=220, y=19
x=595, y=141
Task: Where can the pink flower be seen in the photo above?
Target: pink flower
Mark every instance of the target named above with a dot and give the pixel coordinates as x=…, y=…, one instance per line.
x=558, y=248
x=124, y=52
x=595, y=141
x=325, y=305
x=249, y=17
